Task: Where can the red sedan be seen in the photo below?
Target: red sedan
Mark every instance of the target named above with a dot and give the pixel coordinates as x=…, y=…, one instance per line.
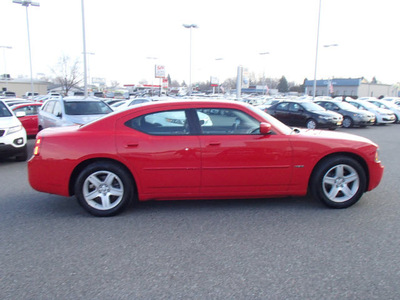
x=30, y=118
x=199, y=150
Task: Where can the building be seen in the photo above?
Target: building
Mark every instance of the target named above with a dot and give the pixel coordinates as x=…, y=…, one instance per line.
x=353, y=87
x=21, y=86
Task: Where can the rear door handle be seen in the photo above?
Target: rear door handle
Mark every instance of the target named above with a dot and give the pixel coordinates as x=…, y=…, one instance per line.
x=215, y=143
x=132, y=145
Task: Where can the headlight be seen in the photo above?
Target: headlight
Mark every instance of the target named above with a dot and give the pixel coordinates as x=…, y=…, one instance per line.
x=14, y=129
x=325, y=117
x=377, y=156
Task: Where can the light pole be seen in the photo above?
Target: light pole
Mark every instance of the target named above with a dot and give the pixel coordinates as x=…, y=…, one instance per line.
x=4, y=57
x=5, y=63
x=218, y=79
x=88, y=66
x=153, y=76
x=84, y=49
x=316, y=51
x=265, y=79
x=190, y=26
x=27, y=3
x=329, y=85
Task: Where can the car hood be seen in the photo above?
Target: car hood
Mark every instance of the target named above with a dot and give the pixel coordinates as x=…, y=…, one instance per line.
x=6, y=122
x=384, y=111
x=327, y=113
x=332, y=135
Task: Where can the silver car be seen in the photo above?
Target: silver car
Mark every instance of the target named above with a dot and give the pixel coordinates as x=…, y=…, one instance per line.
x=71, y=111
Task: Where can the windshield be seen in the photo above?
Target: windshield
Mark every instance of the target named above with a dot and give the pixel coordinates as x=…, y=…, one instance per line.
x=346, y=106
x=312, y=106
x=77, y=108
x=4, y=111
x=368, y=105
x=274, y=122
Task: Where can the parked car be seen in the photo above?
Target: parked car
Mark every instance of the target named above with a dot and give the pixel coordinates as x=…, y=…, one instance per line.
x=244, y=153
x=129, y=103
x=305, y=114
x=390, y=106
x=382, y=116
x=12, y=135
x=390, y=99
x=7, y=94
x=352, y=116
x=71, y=111
x=15, y=101
x=28, y=115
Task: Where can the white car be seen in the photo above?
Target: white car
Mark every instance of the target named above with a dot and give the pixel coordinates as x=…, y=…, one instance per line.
x=175, y=118
x=391, y=99
x=129, y=103
x=383, y=116
x=12, y=135
x=390, y=106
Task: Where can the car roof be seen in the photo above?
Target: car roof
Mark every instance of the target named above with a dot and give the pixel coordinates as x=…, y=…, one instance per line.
x=26, y=104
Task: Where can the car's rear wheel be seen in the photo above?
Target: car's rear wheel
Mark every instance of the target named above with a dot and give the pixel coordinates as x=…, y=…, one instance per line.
x=338, y=182
x=347, y=122
x=104, y=189
x=311, y=124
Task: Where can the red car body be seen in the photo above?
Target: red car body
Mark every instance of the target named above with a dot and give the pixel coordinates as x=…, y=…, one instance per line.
x=30, y=120
x=269, y=161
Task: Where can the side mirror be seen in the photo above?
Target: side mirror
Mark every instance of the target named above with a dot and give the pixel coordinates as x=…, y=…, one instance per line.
x=265, y=128
x=20, y=114
x=59, y=115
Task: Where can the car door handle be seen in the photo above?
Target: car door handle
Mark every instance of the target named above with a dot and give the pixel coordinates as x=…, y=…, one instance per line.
x=132, y=145
x=214, y=143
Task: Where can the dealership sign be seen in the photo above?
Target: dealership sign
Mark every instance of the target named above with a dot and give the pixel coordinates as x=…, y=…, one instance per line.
x=160, y=71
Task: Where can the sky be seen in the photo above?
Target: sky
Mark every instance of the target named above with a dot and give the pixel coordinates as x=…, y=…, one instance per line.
x=127, y=38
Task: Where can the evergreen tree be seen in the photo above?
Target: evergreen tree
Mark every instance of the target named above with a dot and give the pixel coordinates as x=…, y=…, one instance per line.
x=283, y=86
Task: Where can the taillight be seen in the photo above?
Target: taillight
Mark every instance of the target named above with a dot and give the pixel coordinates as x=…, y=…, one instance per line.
x=36, y=149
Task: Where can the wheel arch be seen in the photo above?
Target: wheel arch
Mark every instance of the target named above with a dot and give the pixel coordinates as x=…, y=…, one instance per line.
x=81, y=166
x=354, y=156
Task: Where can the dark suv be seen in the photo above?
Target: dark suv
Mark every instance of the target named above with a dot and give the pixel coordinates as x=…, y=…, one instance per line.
x=352, y=116
x=305, y=114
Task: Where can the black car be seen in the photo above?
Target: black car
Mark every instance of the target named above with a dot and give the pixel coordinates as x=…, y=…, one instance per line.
x=305, y=114
x=352, y=116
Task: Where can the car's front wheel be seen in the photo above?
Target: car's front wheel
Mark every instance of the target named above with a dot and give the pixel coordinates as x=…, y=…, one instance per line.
x=311, y=124
x=338, y=182
x=347, y=122
x=104, y=189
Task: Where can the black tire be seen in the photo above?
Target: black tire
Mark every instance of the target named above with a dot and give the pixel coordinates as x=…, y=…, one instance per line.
x=338, y=182
x=311, y=124
x=23, y=156
x=348, y=122
x=104, y=189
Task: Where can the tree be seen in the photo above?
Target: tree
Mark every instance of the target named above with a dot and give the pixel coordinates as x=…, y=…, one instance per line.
x=67, y=73
x=283, y=86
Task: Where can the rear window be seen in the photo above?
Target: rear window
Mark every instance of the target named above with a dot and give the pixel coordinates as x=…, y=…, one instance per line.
x=76, y=108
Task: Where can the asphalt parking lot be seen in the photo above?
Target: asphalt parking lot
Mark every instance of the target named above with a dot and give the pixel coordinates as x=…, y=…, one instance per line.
x=292, y=248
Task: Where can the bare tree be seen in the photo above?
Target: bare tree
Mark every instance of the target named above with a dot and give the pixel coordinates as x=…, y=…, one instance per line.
x=114, y=84
x=67, y=73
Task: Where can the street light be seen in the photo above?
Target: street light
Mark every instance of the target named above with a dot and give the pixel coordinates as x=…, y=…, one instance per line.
x=6, y=77
x=152, y=76
x=84, y=49
x=88, y=66
x=265, y=79
x=190, y=26
x=316, y=51
x=4, y=57
x=27, y=3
